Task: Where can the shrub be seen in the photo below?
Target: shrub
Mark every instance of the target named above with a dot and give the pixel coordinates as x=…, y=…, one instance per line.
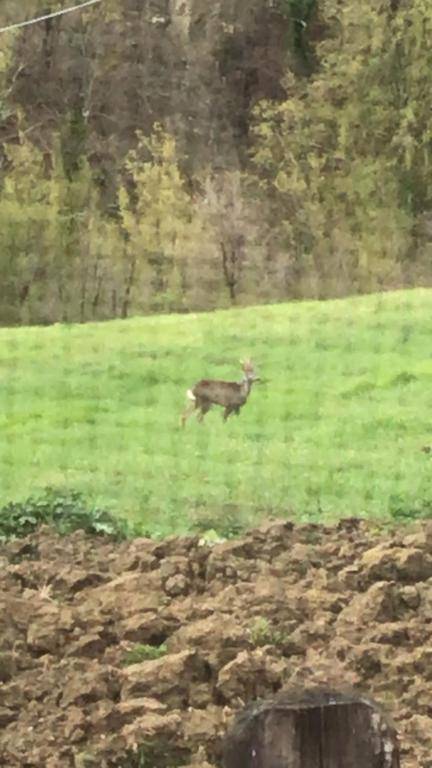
x=65, y=511
x=141, y=652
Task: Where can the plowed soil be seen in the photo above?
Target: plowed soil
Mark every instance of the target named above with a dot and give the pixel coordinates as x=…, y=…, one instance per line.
x=243, y=619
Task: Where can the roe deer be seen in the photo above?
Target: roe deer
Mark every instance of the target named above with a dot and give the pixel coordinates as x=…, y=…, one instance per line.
x=231, y=395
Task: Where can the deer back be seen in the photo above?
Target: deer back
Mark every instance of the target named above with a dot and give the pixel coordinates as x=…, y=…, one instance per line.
x=224, y=393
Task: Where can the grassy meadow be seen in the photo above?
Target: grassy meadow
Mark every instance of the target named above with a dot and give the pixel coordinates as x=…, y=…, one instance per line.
x=336, y=430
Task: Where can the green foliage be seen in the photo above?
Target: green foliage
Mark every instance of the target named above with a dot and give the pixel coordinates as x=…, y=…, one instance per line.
x=299, y=10
x=333, y=195
x=57, y=254
x=346, y=157
x=261, y=632
x=25, y=217
x=155, y=754
x=85, y=759
x=230, y=524
x=141, y=652
x=155, y=215
x=299, y=13
x=66, y=512
x=6, y=57
x=403, y=510
x=62, y=259
x=336, y=431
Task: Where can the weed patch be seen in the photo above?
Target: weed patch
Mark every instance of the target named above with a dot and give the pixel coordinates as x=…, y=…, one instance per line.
x=66, y=512
x=141, y=652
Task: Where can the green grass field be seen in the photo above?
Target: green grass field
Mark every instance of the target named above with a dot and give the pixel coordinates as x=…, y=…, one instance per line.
x=336, y=430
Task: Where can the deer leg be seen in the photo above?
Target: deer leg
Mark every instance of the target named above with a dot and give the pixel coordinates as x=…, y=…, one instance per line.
x=187, y=413
x=192, y=405
x=227, y=412
x=204, y=408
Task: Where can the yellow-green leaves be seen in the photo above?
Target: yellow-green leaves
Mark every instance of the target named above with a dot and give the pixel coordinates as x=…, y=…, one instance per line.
x=346, y=157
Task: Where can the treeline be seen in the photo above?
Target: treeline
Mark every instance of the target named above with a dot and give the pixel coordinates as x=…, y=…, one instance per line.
x=155, y=162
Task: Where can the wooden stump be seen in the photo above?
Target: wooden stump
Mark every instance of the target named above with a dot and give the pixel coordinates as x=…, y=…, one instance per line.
x=314, y=729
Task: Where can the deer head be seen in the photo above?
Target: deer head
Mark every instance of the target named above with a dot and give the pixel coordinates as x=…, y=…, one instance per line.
x=249, y=370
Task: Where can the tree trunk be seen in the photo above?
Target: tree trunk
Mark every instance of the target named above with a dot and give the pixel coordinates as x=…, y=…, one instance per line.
x=228, y=268
x=312, y=730
x=98, y=277
x=128, y=288
x=83, y=296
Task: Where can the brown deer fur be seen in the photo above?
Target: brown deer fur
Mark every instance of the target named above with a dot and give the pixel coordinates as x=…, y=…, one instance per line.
x=230, y=395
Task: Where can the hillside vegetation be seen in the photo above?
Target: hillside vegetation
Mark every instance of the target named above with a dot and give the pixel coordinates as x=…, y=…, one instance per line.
x=162, y=156
x=336, y=430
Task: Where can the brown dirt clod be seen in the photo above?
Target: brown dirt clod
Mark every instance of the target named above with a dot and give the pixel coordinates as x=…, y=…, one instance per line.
x=285, y=605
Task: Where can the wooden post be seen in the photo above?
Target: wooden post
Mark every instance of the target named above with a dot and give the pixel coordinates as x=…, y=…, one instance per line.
x=314, y=729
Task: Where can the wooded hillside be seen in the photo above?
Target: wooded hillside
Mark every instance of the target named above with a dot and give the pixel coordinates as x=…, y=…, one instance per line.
x=161, y=155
